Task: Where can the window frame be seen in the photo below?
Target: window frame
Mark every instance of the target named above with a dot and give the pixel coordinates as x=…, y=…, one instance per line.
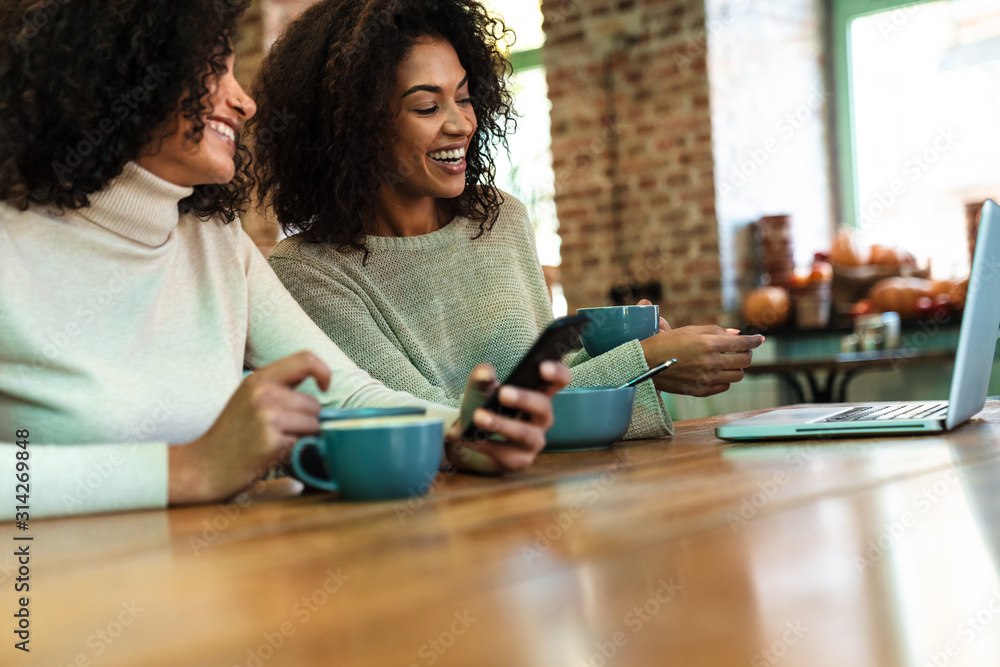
x=527, y=59
x=843, y=14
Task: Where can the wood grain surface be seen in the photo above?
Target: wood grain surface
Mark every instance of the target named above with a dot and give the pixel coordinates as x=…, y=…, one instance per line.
x=681, y=551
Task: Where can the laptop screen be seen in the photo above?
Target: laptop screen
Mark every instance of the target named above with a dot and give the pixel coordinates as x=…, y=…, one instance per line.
x=980, y=323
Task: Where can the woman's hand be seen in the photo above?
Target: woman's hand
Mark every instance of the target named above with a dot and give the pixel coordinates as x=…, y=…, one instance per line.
x=521, y=440
x=262, y=421
x=709, y=358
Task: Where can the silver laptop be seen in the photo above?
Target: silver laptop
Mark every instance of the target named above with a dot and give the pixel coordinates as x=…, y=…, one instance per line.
x=969, y=382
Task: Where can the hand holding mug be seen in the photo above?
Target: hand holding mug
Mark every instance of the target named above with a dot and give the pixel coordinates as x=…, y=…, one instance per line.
x=663, y=325
x=262, y=420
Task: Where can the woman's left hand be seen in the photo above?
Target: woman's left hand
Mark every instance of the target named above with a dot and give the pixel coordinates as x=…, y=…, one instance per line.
x=520, y=440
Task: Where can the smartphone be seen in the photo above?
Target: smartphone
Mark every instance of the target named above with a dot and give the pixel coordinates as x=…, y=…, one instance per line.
x=561, y=337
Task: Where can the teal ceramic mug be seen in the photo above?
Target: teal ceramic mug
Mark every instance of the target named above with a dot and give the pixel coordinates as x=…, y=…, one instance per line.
x=374, y=459
x=616, y=325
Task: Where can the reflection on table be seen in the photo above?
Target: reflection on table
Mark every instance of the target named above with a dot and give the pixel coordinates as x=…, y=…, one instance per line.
x=802, y=375
x=683, y=551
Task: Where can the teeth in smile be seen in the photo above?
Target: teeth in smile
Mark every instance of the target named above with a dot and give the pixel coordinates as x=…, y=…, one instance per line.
x=223, y=129
x=448, y=156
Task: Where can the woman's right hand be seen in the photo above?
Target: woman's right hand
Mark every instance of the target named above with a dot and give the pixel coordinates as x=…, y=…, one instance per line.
x=520, y=440
x=258, y=427
x=709, y=358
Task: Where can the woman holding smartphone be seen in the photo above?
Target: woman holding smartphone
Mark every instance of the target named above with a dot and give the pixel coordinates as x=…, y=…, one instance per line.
x=406, y=254
x=130, y=298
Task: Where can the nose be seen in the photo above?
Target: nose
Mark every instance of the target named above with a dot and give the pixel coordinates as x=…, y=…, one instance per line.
x=238, y=99
x=458, y=122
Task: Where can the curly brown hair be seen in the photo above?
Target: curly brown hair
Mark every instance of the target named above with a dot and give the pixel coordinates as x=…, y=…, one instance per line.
x=83, y=85
x=324, y=107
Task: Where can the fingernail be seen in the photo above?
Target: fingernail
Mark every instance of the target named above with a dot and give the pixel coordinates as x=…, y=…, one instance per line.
x=509, y=394
x=733, y=331
x=485, y=420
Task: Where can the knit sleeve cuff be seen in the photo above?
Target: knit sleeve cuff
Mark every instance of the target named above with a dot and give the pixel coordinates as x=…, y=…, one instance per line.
x=650, y=418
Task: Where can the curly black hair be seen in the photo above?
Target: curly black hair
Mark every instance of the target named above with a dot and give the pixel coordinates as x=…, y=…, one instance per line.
x=325, y=106
x=83, y=85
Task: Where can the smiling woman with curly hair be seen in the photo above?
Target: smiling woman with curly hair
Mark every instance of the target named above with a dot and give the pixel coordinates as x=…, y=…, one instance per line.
x=128, y=306
x=375, y=142
x=82, y=96
x=333, y=73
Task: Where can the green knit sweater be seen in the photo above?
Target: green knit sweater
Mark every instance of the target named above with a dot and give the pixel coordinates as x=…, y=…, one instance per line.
x=426, y=309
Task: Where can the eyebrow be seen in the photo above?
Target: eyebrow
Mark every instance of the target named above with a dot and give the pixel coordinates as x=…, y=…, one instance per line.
x=431, y=89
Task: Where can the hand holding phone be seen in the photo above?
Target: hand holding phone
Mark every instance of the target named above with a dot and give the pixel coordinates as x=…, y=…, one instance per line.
x=560, y=338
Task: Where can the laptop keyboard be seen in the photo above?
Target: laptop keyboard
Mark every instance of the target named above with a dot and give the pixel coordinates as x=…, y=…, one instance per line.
x=884, y=412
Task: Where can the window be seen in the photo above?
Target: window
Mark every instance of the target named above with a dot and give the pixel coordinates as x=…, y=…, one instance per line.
x=527, y=174
x=918, y=115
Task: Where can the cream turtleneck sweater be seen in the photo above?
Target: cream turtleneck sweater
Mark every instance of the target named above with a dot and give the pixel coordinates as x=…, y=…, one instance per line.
x=125, y=328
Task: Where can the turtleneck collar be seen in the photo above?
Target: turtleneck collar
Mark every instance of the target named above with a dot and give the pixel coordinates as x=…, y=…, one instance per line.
x=137, y=205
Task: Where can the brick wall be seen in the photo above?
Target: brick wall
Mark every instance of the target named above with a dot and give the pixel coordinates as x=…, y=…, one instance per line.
x=278, y=14
x=632, y=152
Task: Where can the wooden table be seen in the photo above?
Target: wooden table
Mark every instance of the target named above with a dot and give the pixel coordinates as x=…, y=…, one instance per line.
x=685, y=551
x=840, y=369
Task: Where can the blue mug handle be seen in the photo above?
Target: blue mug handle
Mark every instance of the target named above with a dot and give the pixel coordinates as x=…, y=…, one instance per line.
x=325, y=484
